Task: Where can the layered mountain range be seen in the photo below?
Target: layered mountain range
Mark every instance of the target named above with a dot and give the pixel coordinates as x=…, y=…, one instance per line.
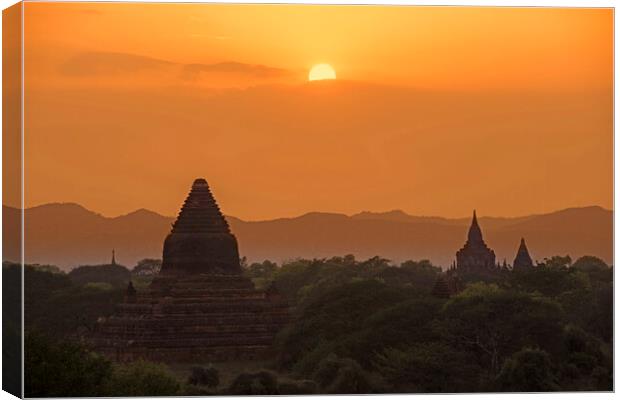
x=68, y=235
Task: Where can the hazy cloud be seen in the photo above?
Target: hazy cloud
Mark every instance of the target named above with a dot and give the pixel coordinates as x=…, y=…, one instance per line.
x=118, y=64
x=192, y=71
x=108, y=63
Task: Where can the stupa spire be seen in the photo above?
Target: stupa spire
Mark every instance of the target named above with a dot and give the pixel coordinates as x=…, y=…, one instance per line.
x=113, y=258
x=523, y=258
x=475, y=234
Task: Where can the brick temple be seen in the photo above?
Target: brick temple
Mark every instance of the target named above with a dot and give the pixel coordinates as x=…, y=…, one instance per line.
x=475, y=257
x=199, y=307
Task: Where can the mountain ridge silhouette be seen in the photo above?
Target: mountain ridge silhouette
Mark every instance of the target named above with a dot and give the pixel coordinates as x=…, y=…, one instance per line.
x=68, y=235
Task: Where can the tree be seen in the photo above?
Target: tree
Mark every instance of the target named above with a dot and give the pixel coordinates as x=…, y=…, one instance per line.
x=342, y=376
x=11, y=328
x=375, y=262
x=266, y=269
x=590, y=263
x=47, y=268
x=420, y=275
x=347, y=260
x=61, y=369
x=405, y=324
x=529, y=370
x=585, y=365
x=147, y=267
x=142, y=378
x=548, y=280
x=428, y=368
x=494, y=323
x=258, y=383
x=115, y=275
x=40, y=283
x=204, y=376
x=557, y=262
x=597, y=270
x=70, y=310
x=332, y=315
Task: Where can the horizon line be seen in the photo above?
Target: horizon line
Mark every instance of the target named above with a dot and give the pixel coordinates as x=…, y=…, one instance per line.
x=467, y=217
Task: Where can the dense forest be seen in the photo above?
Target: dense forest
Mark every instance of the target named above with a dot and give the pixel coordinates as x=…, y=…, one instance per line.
x=357, y=327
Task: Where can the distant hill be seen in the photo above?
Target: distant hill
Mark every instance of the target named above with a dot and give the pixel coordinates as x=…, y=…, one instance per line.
x=69, y=235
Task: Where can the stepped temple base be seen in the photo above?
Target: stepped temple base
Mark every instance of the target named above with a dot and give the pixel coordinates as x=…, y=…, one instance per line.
x=196, y=318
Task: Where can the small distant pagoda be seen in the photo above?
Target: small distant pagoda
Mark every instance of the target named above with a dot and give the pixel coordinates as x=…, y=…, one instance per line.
x=523, y=259
x=199, y=307
x=475, y=256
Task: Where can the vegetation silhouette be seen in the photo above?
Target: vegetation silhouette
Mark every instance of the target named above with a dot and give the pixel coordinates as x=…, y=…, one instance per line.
x=359, y=326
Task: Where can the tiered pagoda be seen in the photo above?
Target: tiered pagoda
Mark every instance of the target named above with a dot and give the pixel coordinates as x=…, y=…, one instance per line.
x=475, y=256
x=523, y=259
x=200, y=241
x=199, y=307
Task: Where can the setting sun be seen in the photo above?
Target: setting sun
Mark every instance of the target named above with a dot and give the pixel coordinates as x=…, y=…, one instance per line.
x=321, y=72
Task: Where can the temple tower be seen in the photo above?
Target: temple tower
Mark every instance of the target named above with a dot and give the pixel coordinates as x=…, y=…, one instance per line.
x=523, y=259
x=113, y=258
x=475, y=254
x=199, y=308
x=200, y=241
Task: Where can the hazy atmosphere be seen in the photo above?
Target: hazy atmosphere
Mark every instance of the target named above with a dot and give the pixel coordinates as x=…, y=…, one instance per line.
x=434, y=111
x=307, y=200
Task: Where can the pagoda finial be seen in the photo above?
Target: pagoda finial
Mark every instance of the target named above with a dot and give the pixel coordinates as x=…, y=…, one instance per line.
x=475, y=234
x=113, y=258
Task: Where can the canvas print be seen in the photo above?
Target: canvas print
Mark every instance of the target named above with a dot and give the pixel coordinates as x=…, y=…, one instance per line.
x=260, y=199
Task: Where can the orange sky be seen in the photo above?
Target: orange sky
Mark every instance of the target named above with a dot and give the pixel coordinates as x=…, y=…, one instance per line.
x=436, y=110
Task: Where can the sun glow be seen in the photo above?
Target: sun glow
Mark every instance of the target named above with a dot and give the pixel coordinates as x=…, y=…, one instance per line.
x=321, y=72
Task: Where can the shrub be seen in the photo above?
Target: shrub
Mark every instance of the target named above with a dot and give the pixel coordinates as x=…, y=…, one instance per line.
x=204, y=376
x=257, y=383
x=142, y=378
x=62, y=369
x=342, y=376
x=297, y=387
x=195, y=390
